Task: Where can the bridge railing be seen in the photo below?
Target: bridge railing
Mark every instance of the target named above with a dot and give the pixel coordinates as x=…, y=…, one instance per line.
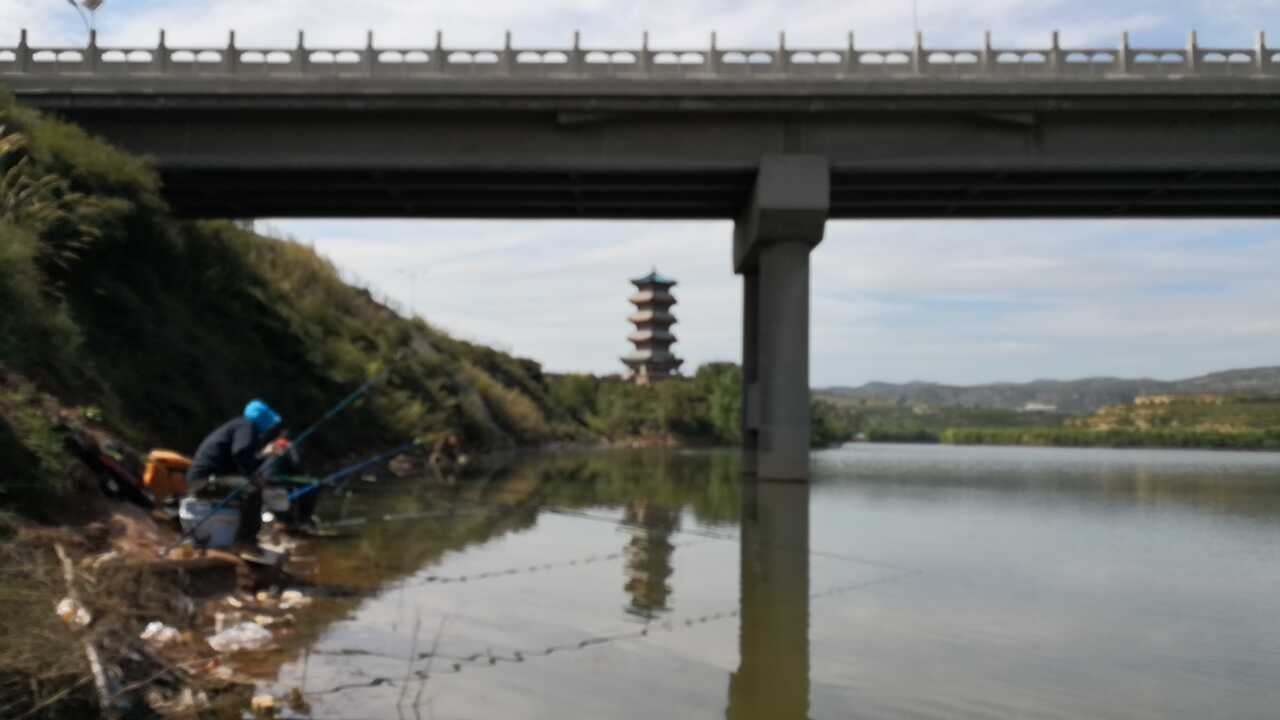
x=781, y=62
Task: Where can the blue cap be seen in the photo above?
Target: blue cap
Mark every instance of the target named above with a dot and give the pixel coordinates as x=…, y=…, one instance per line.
x=262, y=416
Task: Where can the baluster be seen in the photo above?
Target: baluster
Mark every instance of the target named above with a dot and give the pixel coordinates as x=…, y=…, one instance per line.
x=1055, y=53
x=24, y=52
x=988, y=57
x=917, y=54
x=1192, y=60
x=645, y=60
x=1260, y=52
x=713, y=60
x=1122, y=59
x=780, y=59
x=508, y=57
x=850, y=55
x=232, y=60
x=438, y=58
x=162, y=54
x=300, y=59
x=575, y=58
x=91, y=51
x=370, y=54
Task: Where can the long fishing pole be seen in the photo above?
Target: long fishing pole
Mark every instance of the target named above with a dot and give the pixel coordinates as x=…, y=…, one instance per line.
x=346, y=473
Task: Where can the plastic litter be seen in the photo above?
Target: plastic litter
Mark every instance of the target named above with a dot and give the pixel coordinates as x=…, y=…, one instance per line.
x=103, y=559
x=290, y=599
x=263, y=705
x=245, y=636
x=159, y=634
x=73, y=613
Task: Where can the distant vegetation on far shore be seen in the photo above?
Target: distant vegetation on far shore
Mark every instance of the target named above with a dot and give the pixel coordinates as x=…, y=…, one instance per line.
x=1176, y=421
x=701, y=409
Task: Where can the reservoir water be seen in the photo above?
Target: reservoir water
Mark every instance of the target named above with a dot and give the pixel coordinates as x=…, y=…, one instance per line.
x=902, y=582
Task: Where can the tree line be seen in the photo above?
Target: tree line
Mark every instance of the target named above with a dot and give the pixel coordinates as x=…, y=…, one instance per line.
x=704, y=408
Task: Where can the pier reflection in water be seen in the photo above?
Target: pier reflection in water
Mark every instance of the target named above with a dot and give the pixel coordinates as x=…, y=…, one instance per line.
x=772, y=680
x=938, y=583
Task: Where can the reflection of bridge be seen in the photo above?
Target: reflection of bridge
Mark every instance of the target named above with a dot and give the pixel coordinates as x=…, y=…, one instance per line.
x=777, y=139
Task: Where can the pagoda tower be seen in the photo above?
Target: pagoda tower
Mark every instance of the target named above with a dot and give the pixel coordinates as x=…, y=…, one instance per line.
x=652, y=360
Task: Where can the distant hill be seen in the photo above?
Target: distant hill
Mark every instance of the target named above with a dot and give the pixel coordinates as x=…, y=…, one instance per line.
x=1070, y=396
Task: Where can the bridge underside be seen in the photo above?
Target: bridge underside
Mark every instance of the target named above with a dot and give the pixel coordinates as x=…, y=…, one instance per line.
x=344, y=192
x=942, y=155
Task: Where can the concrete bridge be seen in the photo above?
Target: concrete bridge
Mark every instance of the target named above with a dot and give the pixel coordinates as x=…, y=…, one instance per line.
x=778, y=139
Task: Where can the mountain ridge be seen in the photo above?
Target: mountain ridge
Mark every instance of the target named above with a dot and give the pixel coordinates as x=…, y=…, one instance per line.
x=1081, y=395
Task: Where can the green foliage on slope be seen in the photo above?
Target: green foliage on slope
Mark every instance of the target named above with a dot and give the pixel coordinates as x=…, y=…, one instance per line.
x=170, y=326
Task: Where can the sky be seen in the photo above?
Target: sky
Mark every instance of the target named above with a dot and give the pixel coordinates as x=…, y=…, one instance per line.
x=948, y=301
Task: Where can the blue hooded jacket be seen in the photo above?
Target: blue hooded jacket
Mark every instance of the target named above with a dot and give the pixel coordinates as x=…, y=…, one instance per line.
x=261, y=415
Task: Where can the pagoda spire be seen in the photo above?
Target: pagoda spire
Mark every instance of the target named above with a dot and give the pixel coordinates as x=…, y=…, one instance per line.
x=652, y=361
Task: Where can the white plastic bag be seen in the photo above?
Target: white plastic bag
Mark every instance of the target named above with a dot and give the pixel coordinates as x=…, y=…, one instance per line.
x=290, y=599
x=73, y=613
x=159, y=634
x=245, y=636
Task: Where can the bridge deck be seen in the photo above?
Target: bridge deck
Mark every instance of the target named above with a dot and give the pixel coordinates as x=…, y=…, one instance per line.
x=646, y=133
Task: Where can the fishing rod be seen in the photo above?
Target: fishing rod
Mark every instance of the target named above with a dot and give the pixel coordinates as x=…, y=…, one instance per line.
x=348, y=472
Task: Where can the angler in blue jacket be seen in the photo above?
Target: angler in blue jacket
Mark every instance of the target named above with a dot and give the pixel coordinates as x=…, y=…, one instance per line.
x=230, y=457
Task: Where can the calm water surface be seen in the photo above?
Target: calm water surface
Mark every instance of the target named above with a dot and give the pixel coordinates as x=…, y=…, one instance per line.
x=904, y=582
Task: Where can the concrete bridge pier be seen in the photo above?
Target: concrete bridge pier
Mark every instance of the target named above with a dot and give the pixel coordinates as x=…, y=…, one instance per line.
x=772, y=239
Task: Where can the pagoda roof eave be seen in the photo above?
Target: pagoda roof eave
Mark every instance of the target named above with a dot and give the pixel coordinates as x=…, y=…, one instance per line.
x=653, y=278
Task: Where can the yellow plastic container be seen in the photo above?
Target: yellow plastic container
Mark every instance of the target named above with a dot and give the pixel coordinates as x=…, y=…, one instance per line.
x=166, y=474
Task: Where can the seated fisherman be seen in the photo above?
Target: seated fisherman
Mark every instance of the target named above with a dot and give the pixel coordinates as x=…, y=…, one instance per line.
x=230, y=458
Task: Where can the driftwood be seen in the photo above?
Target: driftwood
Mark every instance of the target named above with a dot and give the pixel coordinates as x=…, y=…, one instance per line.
x=100, y=681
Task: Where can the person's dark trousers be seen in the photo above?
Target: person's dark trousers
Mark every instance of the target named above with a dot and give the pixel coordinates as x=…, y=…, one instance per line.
x=250, y=515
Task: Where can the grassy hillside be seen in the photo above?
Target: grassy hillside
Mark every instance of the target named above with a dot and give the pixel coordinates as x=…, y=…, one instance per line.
x=167, y=327
x=1218, y=413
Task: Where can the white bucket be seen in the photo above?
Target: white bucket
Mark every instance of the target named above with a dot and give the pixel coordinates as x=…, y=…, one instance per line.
x=218, y=531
